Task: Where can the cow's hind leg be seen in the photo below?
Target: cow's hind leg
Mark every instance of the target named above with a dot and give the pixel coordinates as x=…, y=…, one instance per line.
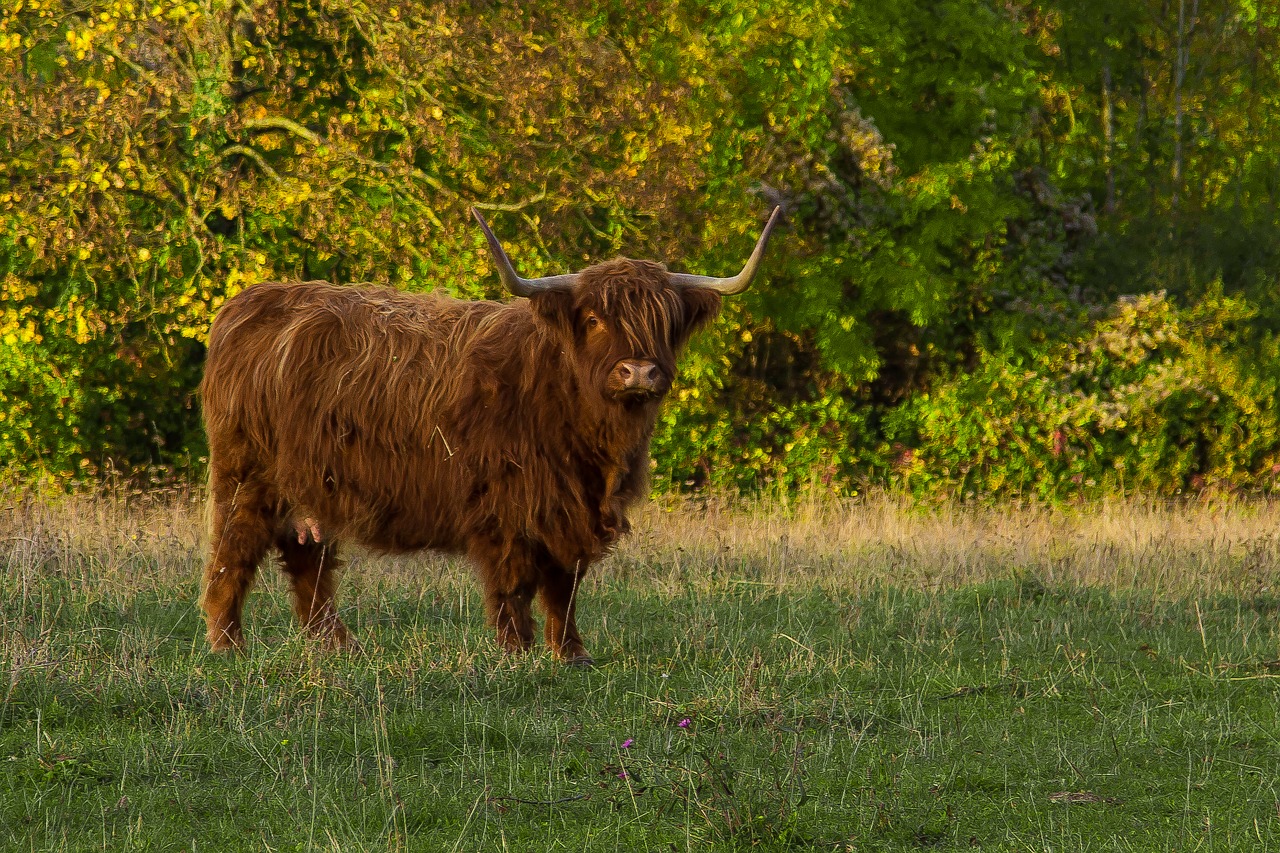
x=508, y=574
x=559, y=597
x=510, y=613
x=240, y=535
x=312, y=569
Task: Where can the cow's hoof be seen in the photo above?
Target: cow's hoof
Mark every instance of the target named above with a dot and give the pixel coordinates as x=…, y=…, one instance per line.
x=580, y=661
x=226, y=641
x=332, y=636
x=513, y=645
x=344, y=643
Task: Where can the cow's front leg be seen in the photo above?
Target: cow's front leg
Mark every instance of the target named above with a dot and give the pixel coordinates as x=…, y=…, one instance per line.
x=559, y=593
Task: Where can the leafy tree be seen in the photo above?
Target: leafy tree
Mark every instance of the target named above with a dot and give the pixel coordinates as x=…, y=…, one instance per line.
x=969, y=186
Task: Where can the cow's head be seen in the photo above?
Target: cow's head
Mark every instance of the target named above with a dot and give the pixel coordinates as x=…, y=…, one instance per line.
x=624, y=321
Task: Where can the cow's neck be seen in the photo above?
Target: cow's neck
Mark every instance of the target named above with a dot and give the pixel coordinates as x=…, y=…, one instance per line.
x=614, y=443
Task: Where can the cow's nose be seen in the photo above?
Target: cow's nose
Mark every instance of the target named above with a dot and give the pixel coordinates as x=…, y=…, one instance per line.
x=638, y=374
x=637, y=377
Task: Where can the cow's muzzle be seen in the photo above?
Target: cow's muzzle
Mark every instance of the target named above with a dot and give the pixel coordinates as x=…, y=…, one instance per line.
x=637, y=379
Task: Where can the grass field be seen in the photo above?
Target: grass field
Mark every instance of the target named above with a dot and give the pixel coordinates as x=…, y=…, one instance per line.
x=822, y=676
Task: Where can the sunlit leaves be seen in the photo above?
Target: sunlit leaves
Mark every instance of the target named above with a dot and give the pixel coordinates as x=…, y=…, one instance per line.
x=964, y=182
x=1155, y=398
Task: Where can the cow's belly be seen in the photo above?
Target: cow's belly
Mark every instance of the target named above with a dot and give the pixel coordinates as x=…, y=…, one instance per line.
x=404, y=539
x=421, y=522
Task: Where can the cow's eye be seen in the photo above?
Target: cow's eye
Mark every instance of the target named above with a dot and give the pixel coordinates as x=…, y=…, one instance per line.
x=593, y=322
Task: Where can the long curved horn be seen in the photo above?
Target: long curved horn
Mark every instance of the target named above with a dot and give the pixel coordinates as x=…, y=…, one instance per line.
x=517, y=285
x=739, y=282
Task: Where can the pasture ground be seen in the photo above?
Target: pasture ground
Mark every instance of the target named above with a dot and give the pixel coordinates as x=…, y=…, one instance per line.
x=822, y=676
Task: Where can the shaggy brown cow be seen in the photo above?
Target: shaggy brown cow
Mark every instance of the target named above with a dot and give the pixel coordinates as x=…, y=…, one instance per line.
x=517, y=434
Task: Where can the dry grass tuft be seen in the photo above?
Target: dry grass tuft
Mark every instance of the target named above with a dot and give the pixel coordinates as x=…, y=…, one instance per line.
x=129, y=542
x=1168, y=549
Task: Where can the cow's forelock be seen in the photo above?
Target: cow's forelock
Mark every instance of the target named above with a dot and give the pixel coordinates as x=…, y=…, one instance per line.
x=644, y=315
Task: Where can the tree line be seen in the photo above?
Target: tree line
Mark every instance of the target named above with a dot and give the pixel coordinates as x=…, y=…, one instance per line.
x=1031, y=247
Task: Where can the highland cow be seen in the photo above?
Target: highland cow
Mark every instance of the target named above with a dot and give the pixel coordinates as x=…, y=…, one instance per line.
x=516, y=434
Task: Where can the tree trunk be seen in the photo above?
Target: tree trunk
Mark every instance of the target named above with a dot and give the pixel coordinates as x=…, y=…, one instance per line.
x=1108, y=140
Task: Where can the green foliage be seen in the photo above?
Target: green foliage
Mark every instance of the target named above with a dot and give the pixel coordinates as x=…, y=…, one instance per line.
x=1153, y=398
x=957, y=177
x=752, y=417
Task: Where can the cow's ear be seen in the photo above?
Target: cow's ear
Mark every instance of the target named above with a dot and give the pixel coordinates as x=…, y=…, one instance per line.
x=555, y=308
x=701, y=306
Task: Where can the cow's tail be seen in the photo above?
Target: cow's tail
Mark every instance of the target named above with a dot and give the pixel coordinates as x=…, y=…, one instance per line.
x=207, y=515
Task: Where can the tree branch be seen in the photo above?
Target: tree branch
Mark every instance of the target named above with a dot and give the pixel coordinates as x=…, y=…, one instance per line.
x=251, y=154
x=270, y=123
x=512, y=207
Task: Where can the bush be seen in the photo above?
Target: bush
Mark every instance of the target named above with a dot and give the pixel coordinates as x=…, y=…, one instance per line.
x=1152, y=398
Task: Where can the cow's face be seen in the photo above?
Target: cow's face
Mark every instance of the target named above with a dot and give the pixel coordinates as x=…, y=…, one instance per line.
x=622, y=323
x=625, y=324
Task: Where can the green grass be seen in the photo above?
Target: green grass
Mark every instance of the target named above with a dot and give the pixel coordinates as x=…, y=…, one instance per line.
x=841, y=695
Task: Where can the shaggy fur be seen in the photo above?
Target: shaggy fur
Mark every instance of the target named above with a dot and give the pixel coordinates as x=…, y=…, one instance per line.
x=516, y=434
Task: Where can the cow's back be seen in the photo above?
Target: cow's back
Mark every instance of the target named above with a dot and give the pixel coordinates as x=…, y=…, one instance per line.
x=343, y=400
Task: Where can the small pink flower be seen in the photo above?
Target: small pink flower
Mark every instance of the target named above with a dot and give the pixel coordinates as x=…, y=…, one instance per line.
x=626, y=744
x=684, y=724
x=622, y=774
